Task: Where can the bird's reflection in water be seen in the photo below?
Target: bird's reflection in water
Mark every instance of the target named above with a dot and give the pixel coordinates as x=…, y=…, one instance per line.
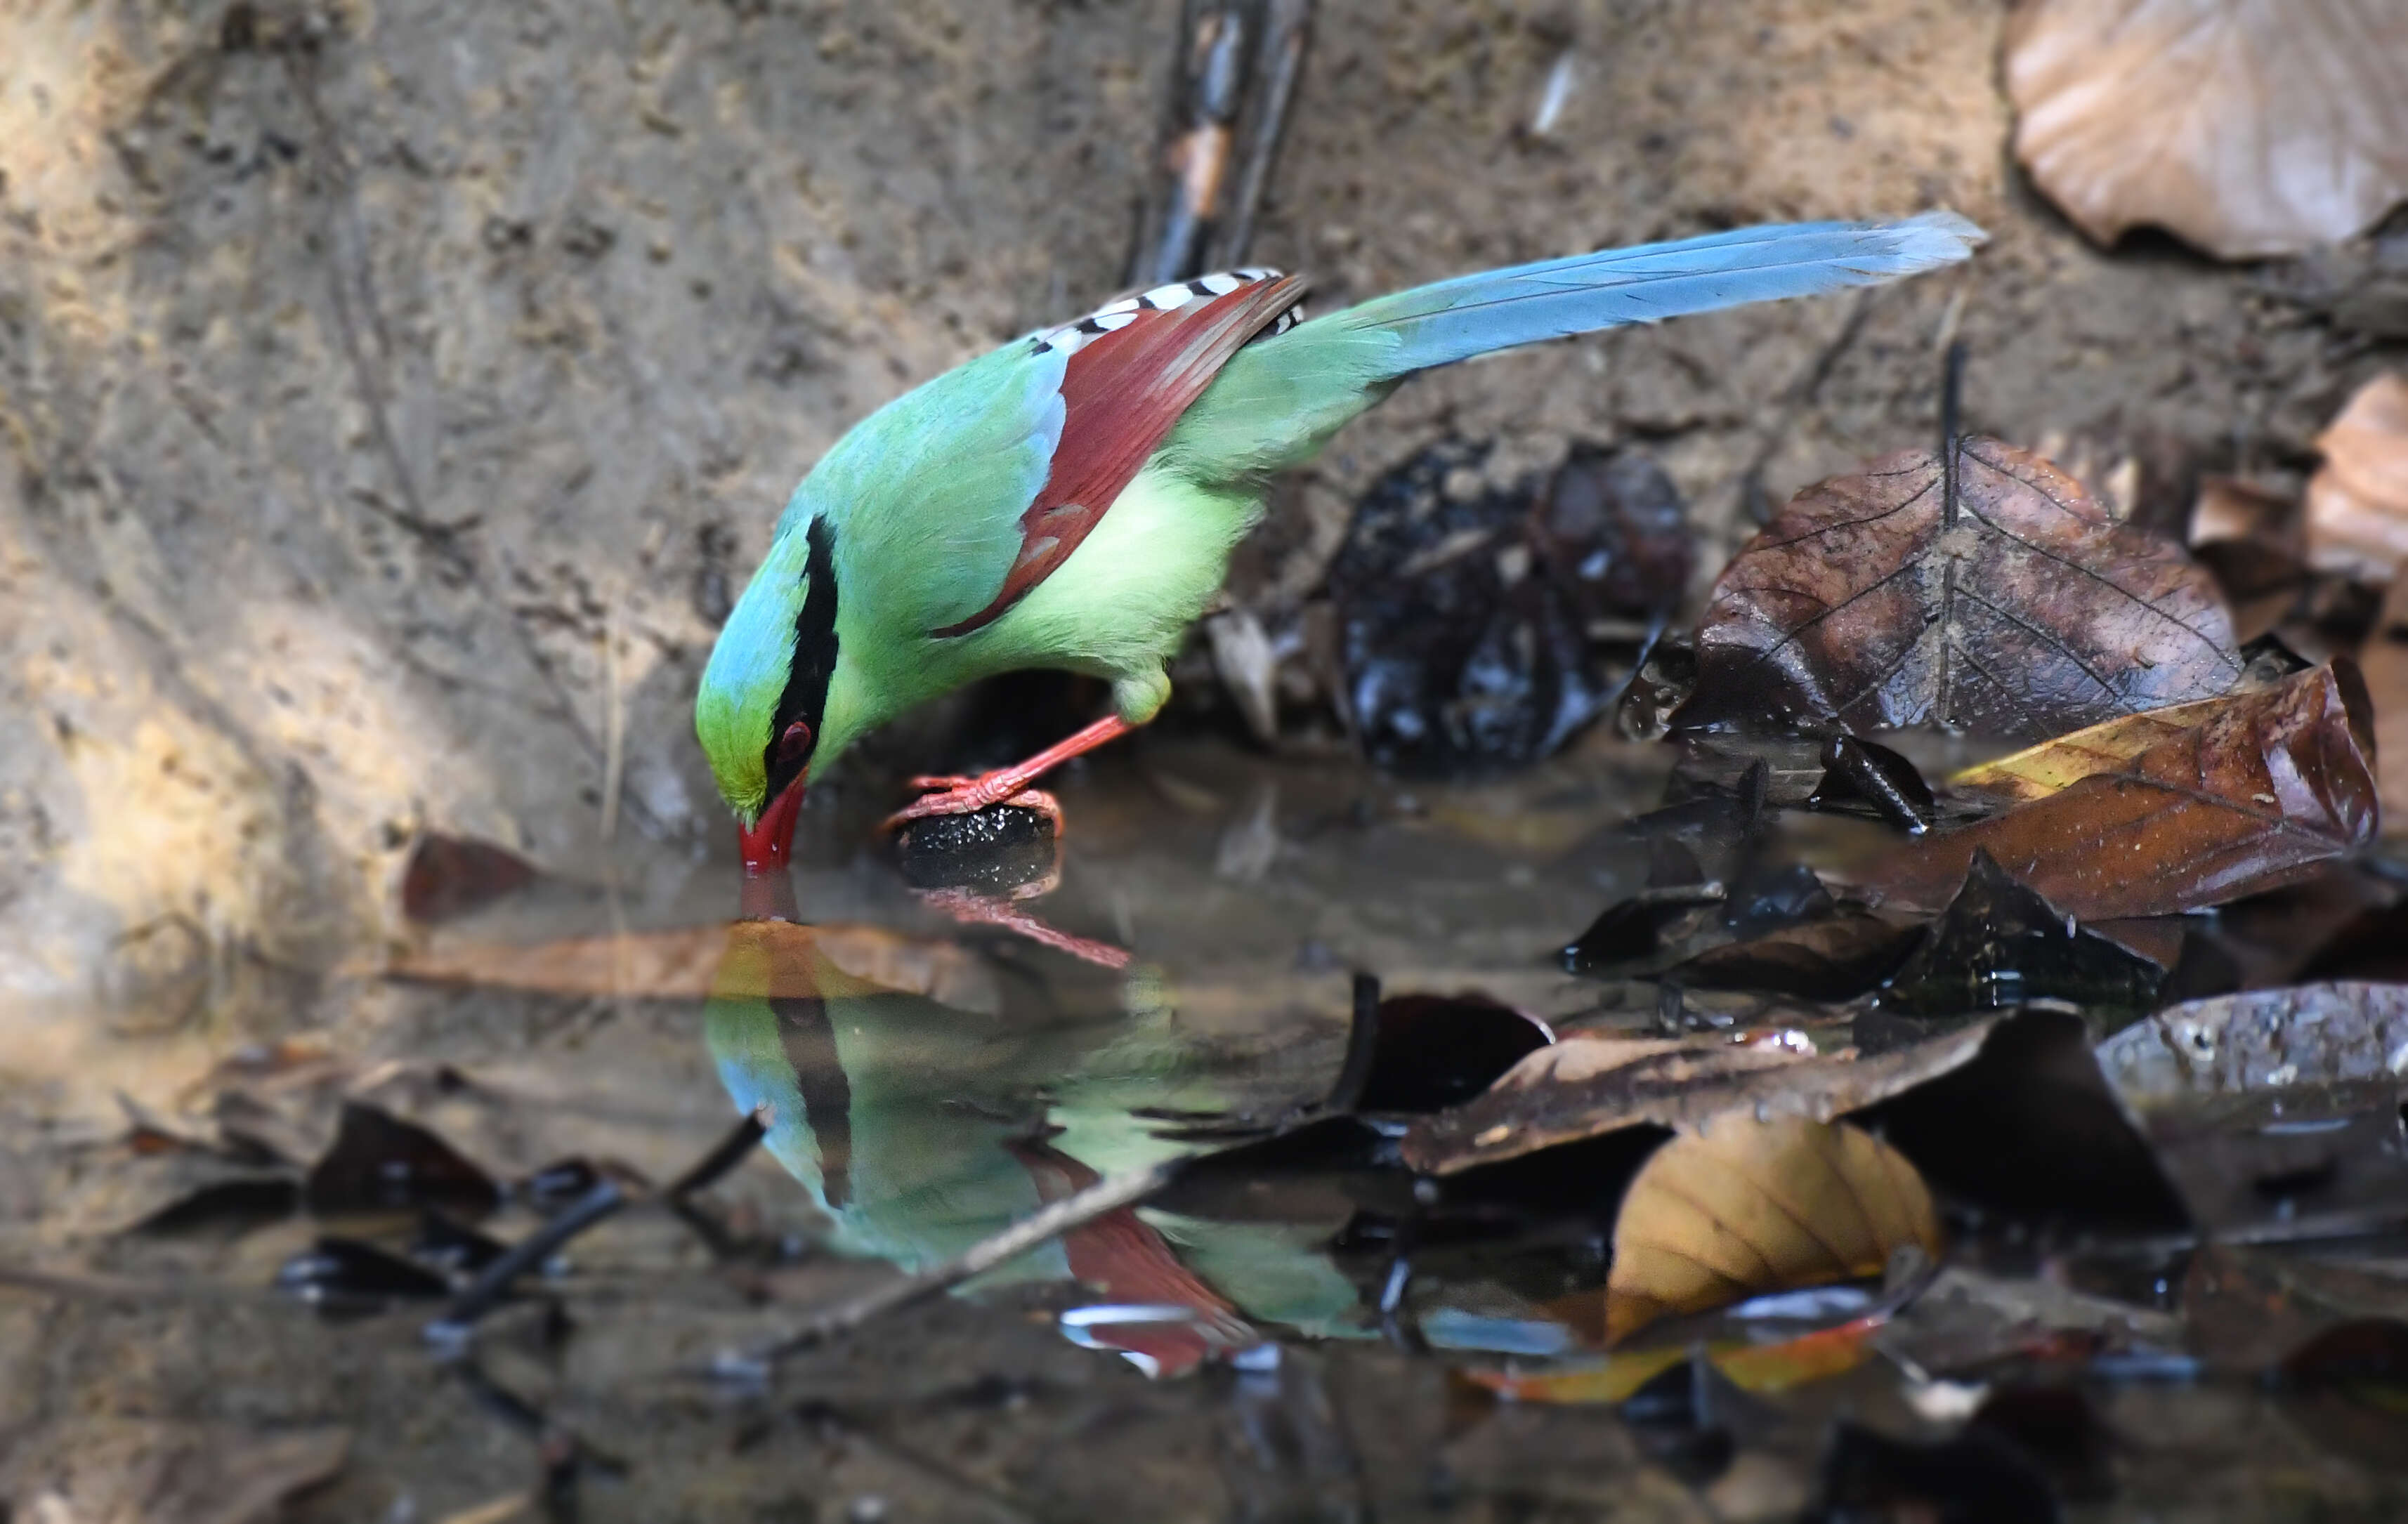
x=920, y=1128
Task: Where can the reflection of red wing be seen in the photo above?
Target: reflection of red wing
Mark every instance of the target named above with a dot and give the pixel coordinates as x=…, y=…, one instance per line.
x=1120, y=393
x=1123, y=1258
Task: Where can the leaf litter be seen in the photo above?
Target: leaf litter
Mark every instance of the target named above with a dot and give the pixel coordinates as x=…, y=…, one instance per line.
x=1598, y=1195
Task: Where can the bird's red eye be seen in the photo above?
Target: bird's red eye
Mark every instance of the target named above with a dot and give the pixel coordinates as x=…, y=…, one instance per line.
x=795, y=744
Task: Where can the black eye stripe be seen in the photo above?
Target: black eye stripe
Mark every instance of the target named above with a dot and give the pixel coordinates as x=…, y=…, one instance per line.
x=805, y=697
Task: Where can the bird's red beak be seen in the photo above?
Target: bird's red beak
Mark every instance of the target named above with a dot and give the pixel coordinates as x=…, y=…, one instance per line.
x=771, y=837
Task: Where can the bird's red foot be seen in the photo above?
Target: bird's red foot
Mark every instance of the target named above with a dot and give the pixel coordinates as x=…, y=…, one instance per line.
x=946, y=795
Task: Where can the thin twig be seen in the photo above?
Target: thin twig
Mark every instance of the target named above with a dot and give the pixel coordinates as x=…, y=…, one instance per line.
x=729, y=1152
x=494, y=1283
x=1279, y=62
x=1074, y=1211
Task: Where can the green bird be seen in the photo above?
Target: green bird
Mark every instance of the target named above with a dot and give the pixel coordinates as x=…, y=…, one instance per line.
x=1071, y=499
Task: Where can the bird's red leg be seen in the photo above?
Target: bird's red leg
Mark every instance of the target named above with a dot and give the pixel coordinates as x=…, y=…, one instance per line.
x=1004, y=785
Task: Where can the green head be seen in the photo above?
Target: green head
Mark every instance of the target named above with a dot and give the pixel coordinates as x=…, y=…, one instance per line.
x=764, y=701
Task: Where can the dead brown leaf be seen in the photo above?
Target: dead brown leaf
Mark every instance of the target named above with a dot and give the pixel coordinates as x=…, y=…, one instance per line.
x=2383, y=661
x=2358, y=501
x=2028, y=614
x=1586, y=1086
x=2255, y=797
x=1736, y=1207
x=757, y=959
x=2251, y=128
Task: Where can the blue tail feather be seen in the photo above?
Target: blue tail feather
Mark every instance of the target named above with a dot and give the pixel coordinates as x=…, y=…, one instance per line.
x=1455, y=320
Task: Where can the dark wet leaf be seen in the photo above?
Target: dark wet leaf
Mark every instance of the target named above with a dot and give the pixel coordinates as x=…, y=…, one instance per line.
x=378, y=1163
x=2317, y=1034
x=1769, y=897
x=344, y=1275
x=2027, y=1128
x=2058, y=1428
x=449, y=877
x=994, y=850
x=1471, y=617
x=1421, y=1052
x=2254, y=798
x=1867, y=778
x=452, y=1247
x=2031, y=613
x=2348, y=1389
x=232, y=1205
x=1833, y=959
x=1686, y=1420
x=2000, y=945
x=1634, y=930
x=1586, y=1086
x=1975, y=1478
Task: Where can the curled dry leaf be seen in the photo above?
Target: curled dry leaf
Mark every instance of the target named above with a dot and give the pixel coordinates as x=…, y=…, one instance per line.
x=757, y=957
x=2252, y=128
x=2026, y=612
x=2317, y=1035
x=1586, y=1086
x=1738, y=1207
x=2358, y=501
x=2256, y=797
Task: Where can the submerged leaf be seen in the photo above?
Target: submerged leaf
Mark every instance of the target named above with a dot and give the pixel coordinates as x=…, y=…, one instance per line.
x=380, y=1164
x=766, y=958
x=2358, y=501
x=1739, y=1207
x=2027, y=613
x=2249, y=127
x=2254, y=798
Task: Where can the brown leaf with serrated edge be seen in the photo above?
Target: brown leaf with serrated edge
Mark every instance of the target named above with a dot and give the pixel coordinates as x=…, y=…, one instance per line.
x=1737, y=1207
x=2358, y=501
x=2251, y=128
x=2256, y=797
x=2028, y=613
x=746, y=958
x=1587, y=1086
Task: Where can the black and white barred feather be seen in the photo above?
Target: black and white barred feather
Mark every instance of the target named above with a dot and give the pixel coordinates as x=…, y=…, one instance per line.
x=1070, y=338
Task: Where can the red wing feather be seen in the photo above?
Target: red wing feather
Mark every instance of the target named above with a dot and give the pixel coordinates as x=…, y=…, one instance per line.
x=1121, y=395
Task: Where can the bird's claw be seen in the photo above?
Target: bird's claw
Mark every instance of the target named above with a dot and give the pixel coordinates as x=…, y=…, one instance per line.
x=968, y=796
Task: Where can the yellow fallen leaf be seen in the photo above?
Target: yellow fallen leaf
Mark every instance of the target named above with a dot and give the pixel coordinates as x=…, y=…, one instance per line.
x=1751, y=1367
x=2038, y=771
x=1739, y=1207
